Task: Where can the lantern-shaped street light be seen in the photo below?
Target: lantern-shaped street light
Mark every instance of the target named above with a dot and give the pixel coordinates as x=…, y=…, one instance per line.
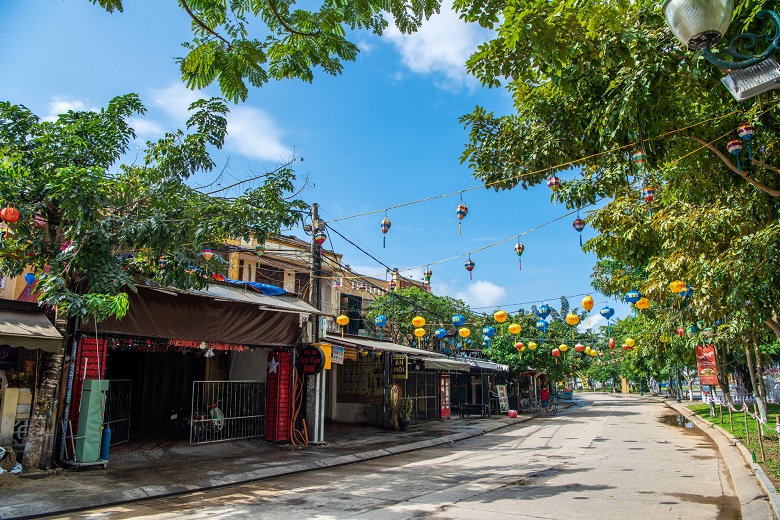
x=700, y=24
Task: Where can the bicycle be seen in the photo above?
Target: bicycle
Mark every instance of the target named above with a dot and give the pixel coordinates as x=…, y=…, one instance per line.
x=529, y=404
x=552, y=406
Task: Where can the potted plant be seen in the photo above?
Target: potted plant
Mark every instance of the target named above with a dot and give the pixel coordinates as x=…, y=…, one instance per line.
x=403, y=408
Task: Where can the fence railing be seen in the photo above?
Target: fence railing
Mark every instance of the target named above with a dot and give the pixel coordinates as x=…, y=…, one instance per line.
x=117, y=414
x=226, y=410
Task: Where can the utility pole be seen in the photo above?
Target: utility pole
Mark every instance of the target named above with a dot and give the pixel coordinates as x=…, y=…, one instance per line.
x=315, y=385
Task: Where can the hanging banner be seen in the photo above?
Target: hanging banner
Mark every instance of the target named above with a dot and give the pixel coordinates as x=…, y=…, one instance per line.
x=400, y=366
x=705, y=362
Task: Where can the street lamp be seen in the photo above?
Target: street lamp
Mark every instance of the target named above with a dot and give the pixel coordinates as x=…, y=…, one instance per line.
x=699, y=24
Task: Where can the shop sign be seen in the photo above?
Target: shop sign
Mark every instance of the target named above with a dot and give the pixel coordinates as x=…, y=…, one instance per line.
x=705, y=362
x=311, y=359
x=503, y=398
x=400, y=366
x=473, y=354
x=337, y=356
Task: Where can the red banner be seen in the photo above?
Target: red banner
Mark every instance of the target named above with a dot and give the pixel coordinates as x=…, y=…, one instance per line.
x=705, y=361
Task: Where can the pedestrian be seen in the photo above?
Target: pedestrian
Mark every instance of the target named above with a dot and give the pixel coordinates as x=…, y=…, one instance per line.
x=543, y=396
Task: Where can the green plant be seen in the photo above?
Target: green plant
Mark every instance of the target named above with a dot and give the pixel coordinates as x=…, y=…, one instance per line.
x=404, y=408
x=18, y=379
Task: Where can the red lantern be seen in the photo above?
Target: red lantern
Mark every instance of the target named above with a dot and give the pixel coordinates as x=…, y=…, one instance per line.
x=611, y=343
x=680, y=332
x=626, y=347
x=520, y=346
x=9, y=214
x=556, y=353
x=579, y=347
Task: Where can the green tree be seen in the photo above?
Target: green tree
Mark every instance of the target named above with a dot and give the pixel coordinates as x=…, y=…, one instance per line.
x=91, y=231
x=246, y=41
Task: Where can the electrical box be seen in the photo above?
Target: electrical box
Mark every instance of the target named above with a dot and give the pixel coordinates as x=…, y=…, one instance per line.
x=93, y=405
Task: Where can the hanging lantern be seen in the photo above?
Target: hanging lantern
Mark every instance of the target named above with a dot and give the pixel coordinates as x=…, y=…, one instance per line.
x=532, y=347
x=207, y=254
x=489, y=331
x=361, y=286
x=688, y=292
x=440, y=333
x=260, y=248
x=563, y=348
x=385, y=227
x=427, y=275
x=520, y=346
x=419, y=332
x=542, y=326
x=678, y=286
x=664, y=339
x=9, y=214
x=626, y=346
x=572, y=319
x=29, y=278
x=500, y=316
x=469, y=266
x=587, y=304
x=638, y=156
x=380, y=322
x=680, y=332
x=320, y=237
x=337, y=283
x=418, y=321
x=630, y=342
x=588, y=350
x=579, y=347
x=611, y=343
x=543, y=311
x=461, y=211
x=519, y=248
x=458, y=320
x=515, y=329
x=632, y=297
x=734, y=146
x=691, y=332
x=607, y=312
x=648, y=193
x=555, y=353
x=642, y=303
x=342, y=320
x=554, y=183
x=579, y=225
x=745, y=132
x=464, y=333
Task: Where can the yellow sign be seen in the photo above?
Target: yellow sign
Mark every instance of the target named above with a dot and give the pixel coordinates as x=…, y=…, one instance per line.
x=327, y=349
x=400, y=366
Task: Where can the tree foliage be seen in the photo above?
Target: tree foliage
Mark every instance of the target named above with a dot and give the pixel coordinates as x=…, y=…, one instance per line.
x=92, y=233
x=252, y=42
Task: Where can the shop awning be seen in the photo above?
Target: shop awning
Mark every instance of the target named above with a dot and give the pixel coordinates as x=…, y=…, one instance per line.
x=431, y=360
x=447, y=364
x=29, y=330
x=245, y=294
x=487, y=365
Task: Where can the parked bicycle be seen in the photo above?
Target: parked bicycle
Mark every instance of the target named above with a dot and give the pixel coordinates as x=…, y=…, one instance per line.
x=207, y=424
x=552, y=406
x=530, y=404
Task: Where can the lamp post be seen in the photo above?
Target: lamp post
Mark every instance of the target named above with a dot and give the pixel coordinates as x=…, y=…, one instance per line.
x=700, y=24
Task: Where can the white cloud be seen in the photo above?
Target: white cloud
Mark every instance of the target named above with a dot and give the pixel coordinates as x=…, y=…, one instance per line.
x=146, y=130
x=481, y=294
x=253, y=133
x=61, y=104
x=440, y=47
x=596, y=321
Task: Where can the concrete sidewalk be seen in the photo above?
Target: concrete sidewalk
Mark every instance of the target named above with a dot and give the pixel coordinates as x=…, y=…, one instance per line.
x=137, y=475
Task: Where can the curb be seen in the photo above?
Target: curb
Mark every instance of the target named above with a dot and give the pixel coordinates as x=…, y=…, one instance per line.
x=112, y=498
x=761, y=477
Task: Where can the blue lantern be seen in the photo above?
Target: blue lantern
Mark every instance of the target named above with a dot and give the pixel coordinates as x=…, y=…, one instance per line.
x=633, y=296
x=607, y=312
x=29, y=278
x=489, y=332
x=688, y=292
x=440, y=333
x=458, y=320
x=380, y=321
x=542, y=326
x=543, y=311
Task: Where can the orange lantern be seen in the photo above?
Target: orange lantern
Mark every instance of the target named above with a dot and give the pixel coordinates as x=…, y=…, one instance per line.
x=678, y=286
x=418, y=321
x=9, y=214
x=500, y=316
x=515, y=329
x=642, y=304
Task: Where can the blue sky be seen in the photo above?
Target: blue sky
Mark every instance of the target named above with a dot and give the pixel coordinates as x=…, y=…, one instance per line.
x=383, y=133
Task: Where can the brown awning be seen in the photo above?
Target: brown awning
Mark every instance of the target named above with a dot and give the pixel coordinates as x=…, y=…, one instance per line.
x=199, y=316
x=31, y=330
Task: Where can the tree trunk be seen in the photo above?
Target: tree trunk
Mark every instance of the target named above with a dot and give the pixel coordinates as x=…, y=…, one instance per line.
x=39, y=446
x=723, y=379
x=761, y=388
x=754, y=383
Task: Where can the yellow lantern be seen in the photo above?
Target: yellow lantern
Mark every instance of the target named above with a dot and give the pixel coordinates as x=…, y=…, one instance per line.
x=594, y=352
x=515, y=329
x=563, y=348
x=464, y=332
x=588, y=350
x=587, y=303
x=572, y=319
x=419, y=332
x=418, y=321
x=500, y=317
x=664, y=339
x=532, y=347
x=342, y=320
x=678, y=286
x=642, y=304
x=630, y=342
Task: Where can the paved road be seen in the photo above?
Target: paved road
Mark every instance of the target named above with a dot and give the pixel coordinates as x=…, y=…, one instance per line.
x=611, y=458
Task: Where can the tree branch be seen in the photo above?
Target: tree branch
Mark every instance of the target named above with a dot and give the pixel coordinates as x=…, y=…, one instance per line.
x=761, y=186
x=203, y=25
x=284, y=24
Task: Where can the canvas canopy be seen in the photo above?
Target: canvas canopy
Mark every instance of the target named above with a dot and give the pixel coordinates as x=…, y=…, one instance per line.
x=19, y=328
